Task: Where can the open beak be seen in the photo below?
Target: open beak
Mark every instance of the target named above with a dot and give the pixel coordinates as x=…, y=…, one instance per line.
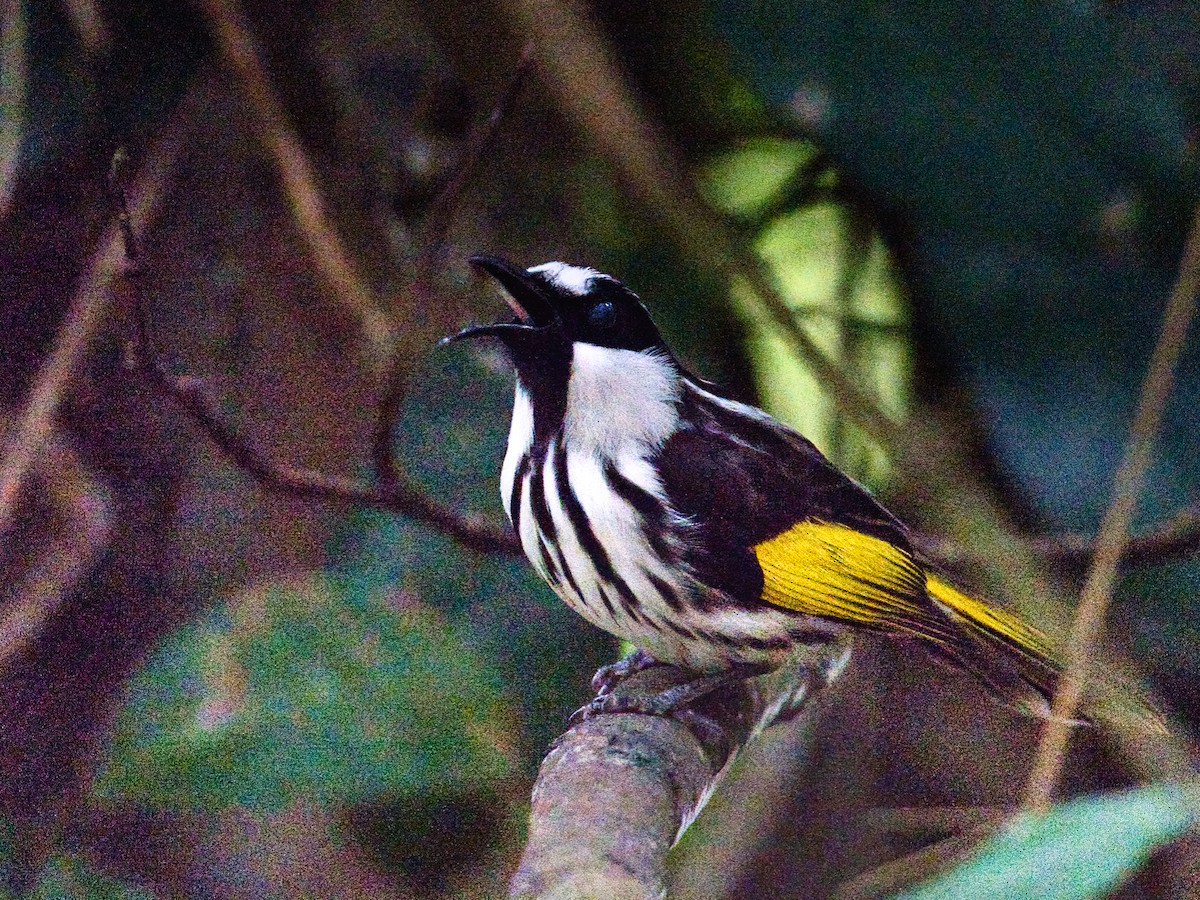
x=527, y=297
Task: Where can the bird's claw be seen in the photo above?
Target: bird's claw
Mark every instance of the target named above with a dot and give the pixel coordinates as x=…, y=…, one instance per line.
x=705, y=728
x=609, y=676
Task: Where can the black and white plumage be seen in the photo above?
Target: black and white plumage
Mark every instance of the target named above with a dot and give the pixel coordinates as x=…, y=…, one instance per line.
x=698, y=528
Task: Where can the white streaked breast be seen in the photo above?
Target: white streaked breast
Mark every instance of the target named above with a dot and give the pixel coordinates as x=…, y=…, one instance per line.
x=520, y=440
x=529, y=532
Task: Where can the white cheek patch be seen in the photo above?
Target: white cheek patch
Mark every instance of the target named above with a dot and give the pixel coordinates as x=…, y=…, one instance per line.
x=620, y=401
x=572, y=279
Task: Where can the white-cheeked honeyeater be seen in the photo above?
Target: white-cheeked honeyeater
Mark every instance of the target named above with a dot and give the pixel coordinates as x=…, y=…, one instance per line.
x=700, y=529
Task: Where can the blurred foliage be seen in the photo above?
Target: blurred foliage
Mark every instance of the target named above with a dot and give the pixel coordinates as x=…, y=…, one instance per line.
x=327, y=694
x=834, y=271
x=1038, y=173
x=1079, y=850
x=64, y=877
x=450, y=431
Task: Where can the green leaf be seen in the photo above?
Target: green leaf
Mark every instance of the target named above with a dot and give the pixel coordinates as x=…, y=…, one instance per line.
x=1078, y=850
x=66, y=878
x=323, y=694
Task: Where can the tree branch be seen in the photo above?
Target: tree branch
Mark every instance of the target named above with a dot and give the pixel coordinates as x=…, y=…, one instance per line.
x=240, y=51
x=1178, y=538
x=33, y=592
x=616, y=791
x=438, y=220
x=391, y=489
x=84, y=317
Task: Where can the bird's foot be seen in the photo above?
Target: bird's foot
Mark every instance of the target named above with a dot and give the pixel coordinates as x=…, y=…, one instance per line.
x=667, y=702
x=608, y=677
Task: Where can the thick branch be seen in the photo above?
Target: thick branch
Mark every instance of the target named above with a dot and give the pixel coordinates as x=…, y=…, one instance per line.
x=616, y=791
x=612, y=795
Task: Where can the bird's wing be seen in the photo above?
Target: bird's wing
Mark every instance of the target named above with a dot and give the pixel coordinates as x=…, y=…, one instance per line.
x=778, y=524
x=743, y=480
x=833, y=571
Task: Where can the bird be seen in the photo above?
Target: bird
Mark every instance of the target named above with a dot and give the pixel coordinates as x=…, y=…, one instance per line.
x=700, y=529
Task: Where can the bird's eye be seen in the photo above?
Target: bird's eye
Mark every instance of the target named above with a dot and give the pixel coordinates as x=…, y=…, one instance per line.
x=602, y=314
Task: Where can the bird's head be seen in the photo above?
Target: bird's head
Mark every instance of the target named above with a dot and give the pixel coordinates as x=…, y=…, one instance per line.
x=573, y=326
x=556, y=305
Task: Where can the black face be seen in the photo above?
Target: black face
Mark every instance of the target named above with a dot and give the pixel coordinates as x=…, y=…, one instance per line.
x=599, y=311
x=608, y=315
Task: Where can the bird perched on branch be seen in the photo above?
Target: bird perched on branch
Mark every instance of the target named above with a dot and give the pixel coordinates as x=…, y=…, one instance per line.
x=700, y=529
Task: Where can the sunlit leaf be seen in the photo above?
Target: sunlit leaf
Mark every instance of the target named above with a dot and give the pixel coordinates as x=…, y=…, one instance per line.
x=313, y=693
x=744, y=180
x=1079, y=850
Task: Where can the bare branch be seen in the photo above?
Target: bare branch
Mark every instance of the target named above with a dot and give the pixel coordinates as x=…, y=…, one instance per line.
x=90, y=26
x=441, y=210
x=337, y=269
x=1178, y=538
x=440, y=216
x=13, y=90
x=392, y=490
x=84, y=517
x=1114, y=529
x=88, y=310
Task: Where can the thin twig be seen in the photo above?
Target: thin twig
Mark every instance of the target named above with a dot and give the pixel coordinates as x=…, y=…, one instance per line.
x=443, y=206
x=90, y=26
x=87, y=312
x=13, y=88
x=1110, y=544
x=241, y=53
x=1178, y=538
x=392, y=489
x=81, y=532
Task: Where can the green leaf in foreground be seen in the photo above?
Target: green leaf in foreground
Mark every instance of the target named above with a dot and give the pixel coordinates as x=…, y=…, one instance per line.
x=1077, y=851
x=323, y=694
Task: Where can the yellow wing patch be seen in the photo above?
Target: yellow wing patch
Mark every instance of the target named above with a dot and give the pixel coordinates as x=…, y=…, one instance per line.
x=835, y=572
x=995, y=622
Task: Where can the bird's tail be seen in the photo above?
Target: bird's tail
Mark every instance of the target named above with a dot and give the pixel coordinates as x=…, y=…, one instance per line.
x=1021, y=665
x=1013, y=658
